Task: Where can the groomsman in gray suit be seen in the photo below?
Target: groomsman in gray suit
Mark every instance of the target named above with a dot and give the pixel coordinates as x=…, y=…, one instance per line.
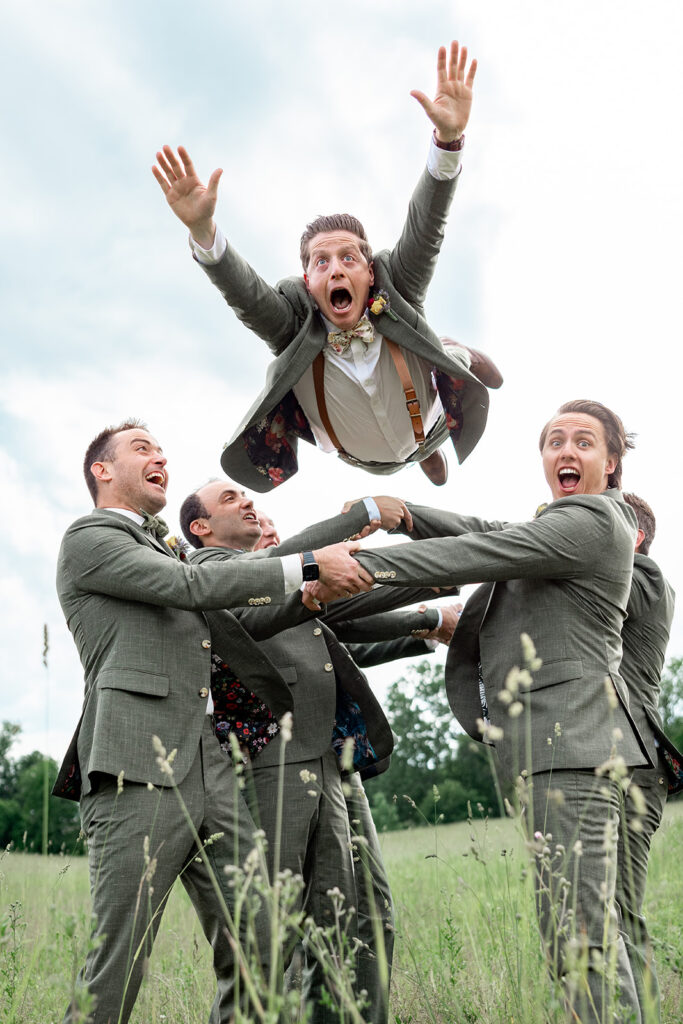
x=331, y=701
x=564, y=580
x=645, y=637
x=375, y=640
x=357, y=370
x=136, y=613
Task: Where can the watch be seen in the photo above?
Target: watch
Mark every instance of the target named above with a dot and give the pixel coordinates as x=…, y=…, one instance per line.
x=311, y=569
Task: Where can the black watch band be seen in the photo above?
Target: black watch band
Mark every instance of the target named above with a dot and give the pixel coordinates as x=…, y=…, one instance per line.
x=311, y=569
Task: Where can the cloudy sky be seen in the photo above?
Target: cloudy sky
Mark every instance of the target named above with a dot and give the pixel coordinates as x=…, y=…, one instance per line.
x=562, y=258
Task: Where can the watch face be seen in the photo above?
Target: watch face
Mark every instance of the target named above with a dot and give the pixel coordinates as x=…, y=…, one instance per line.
x=311, y=572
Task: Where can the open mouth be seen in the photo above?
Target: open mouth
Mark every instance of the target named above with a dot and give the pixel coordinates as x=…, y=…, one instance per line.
x=340, y=300
x=569, y=478
x=250, y=517
x=156, y=478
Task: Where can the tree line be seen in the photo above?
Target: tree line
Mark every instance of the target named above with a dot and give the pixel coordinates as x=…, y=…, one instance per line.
x=436, y=772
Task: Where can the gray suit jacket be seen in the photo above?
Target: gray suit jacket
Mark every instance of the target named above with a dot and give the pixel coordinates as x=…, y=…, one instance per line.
x=564, y=579
x=136, y=615
x=645, y=637
x=322, y=678
x=263, y=450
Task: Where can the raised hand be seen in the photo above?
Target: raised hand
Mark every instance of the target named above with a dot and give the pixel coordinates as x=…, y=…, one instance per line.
x=192, y=202
x=449, y=111
x=340, y=572
x=391, y=510
x=450, y=617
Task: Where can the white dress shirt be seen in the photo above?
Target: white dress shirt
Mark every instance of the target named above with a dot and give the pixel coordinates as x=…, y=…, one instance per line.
x=364, y=396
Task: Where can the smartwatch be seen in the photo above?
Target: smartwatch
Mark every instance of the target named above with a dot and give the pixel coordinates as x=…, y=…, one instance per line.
x=311, y=569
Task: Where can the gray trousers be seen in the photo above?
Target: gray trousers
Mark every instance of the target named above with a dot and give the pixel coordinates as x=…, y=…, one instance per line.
x=633, y=855
x=139, y=842
x=314, y=843
x=374, y=903
x=587, y=812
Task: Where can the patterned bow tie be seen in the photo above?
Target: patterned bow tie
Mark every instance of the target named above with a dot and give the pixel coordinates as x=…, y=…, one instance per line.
x=340, y=340
x=153, y=524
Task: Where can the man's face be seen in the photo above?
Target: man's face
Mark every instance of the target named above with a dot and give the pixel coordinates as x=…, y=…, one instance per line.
x=233, y=522
x=269, y=535
x=575, y=456
x=339, y=277
x=135, y=477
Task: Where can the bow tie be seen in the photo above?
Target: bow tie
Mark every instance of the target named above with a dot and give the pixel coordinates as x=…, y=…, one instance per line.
x=153, y=524
x=340, y=340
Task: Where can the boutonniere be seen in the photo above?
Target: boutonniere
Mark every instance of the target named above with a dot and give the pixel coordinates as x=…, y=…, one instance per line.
x=180, y=548
x=379, y=303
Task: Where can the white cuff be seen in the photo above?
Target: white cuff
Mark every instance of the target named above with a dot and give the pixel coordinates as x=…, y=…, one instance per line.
x=372, y=509
x=441, y=163
x=215, y=253
x=440, y=622
x=432, y=644
x=291, y=567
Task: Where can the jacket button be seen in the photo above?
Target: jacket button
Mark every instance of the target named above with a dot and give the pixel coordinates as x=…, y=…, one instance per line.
x=329, y=667
x=660, y=780
x=203, y=692
x=317, y=631
x=206, y=644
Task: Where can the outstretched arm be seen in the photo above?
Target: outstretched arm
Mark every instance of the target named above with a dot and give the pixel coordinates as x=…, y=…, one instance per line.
x=192, y=202
x=449, y=111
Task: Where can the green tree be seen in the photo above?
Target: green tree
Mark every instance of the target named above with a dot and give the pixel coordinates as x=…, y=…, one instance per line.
x=21, y=801
x=671, y=700
x=431, y=752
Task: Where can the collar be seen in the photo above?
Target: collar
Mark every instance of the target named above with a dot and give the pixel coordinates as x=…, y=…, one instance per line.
x=135, y=516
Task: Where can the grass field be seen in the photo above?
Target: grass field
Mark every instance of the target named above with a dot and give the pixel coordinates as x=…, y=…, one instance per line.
x=467, y=944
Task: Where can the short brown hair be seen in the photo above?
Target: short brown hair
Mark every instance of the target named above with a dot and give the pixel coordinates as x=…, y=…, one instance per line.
x=334, y=222
x=617, y=439
x=646, y=520
x=101, y=449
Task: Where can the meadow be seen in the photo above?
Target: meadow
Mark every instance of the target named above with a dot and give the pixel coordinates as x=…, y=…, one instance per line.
x=467, y=942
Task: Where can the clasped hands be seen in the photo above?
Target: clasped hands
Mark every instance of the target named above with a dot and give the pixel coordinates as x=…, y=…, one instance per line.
x=340, y=574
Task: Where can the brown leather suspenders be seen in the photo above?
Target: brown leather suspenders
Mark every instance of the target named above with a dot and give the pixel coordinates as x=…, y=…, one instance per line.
x=412, y=402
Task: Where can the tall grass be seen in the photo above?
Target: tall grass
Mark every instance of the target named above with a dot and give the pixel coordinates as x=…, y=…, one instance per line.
x=467, y=946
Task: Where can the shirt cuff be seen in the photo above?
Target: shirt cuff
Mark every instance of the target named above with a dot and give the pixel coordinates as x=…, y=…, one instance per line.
x=441, y=164
x=431, y=644
x=291, y=567
x=215, y=253
x=372, y=509
x=440, y=622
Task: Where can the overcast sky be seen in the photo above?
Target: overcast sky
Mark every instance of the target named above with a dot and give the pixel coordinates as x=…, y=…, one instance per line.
x=562, y=257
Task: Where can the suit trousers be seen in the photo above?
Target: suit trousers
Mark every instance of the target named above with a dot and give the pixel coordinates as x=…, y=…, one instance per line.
x=139, y=842
x=374, y=903
x=633, y=855
x=314, y=843
x=581, y=812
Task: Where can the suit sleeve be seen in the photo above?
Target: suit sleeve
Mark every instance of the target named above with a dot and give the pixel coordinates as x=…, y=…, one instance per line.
x=262, y=621
x=436, y=522
x=260, y=307
x=107, y=559
x=646, y=590
x=381, y=599
x=386, y=626
x=368, y=655
x=566, y=541
x=330, y=531
x=413, y=259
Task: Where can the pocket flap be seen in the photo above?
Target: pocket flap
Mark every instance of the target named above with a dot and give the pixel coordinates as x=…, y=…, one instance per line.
x=134, y=681
x=554, y=672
